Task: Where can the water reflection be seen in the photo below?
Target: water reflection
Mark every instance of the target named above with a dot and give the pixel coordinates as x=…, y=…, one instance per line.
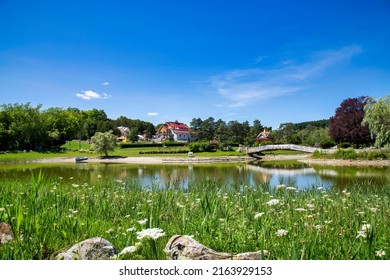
x=295, y=175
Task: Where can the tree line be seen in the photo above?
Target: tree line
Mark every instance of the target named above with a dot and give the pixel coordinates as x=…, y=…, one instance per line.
x=360, y=121
x=24, y=127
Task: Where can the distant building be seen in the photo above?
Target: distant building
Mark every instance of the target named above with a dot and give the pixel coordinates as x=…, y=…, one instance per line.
x=265, y=136
x=125, y=133
x=175, y=131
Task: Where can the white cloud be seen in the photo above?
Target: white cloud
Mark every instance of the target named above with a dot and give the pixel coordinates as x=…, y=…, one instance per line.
x=152, y=114
x=105, y=83
x=89, y=95
x=244, y=86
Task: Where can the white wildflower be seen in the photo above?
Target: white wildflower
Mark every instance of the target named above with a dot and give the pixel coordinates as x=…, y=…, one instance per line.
x=300, y=209
x=366, y=227
x=280, y=187
x=152, y=233
x=130, y=249
x=281, y=232
x=291, y=188
x=273, y=202
x=318, y=227
x=380, y=253
x=361, y=233
x=258, y=215
x=310, y=206
x=142, y=222
x=130, y=229
x=373, y=209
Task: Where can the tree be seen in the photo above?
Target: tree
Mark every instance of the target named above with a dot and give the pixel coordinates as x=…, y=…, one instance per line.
x=103, y=142
x=346, y=124
x=377, y=117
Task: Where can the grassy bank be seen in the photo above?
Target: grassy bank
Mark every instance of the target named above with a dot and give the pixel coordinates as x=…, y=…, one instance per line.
x=48, y=216
x=76, y=148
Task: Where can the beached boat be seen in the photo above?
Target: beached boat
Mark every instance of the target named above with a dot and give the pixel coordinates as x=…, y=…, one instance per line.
x=79, y=159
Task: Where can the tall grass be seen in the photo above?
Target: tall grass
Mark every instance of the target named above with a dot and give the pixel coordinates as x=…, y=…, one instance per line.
x=49, y=216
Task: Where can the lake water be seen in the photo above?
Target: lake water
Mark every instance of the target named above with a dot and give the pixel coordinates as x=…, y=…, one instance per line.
x=293, y=174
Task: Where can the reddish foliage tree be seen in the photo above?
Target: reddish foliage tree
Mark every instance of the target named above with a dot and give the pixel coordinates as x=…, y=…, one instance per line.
x=346, y=124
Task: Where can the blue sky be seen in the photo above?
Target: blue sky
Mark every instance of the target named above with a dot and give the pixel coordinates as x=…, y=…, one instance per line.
x=276, y=61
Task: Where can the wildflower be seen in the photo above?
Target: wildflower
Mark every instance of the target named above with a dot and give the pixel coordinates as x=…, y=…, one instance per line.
x=130, y=249
x=258, y=215
x=310, y=206
x=280, y=187
x=273, y=202
x=291, y=188
x=373, y=209
x=99, y=176
x=142, y=222
x=130, y=229
x=110, y=231
x=361, y=233
x=75, y=185
x=281, y=232
x=300, y=209
x=318, y=227
x=380, y=253
x=366, y=227
x=150, y=233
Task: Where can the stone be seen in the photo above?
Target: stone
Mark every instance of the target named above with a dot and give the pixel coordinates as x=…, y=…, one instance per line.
x=96, y=248
x=183, y=247
x=6, y=234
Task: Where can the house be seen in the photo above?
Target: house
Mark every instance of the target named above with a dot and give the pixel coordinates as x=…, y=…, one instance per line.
x=175, y=131
x=125, y=133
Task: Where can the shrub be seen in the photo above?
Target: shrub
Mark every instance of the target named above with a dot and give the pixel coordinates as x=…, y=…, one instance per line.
x=344, y=145
x=345, y=154
x=326, y=143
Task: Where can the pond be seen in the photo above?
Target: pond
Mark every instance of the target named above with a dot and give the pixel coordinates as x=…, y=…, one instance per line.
x=293, y=174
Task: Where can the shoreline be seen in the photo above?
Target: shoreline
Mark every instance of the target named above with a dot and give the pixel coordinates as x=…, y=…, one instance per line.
x=151, y=160
x=304, y=158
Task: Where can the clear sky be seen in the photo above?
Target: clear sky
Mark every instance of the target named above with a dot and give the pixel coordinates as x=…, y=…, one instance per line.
x=276, y=61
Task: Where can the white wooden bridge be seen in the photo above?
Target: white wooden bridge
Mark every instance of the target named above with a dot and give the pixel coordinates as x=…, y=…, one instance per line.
x=255, y=151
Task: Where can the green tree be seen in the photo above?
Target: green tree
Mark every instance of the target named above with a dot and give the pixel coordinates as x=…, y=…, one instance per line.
x=377, y=117
x=103, y=142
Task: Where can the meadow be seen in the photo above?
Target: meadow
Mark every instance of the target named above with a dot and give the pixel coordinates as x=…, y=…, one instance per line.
x=48, y=216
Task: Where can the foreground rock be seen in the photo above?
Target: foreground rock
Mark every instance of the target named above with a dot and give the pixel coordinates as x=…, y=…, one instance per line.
x=96, y=248
x=6, y=234
x=182, y=247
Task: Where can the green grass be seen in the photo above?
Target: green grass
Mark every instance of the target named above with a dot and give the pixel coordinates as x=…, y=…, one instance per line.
x=48, y=216
x=72, y=150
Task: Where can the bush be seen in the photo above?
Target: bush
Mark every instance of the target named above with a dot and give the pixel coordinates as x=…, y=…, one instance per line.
x=344, y=145
x=326, y=143
x=345, y=154
x=265, y=143
x=372, y=155
x=204, y=146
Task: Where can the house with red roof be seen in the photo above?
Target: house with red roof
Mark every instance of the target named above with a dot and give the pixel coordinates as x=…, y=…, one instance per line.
x=175, y=131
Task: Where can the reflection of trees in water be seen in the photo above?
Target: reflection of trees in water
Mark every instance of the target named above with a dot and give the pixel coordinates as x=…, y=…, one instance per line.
x=183, y=175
